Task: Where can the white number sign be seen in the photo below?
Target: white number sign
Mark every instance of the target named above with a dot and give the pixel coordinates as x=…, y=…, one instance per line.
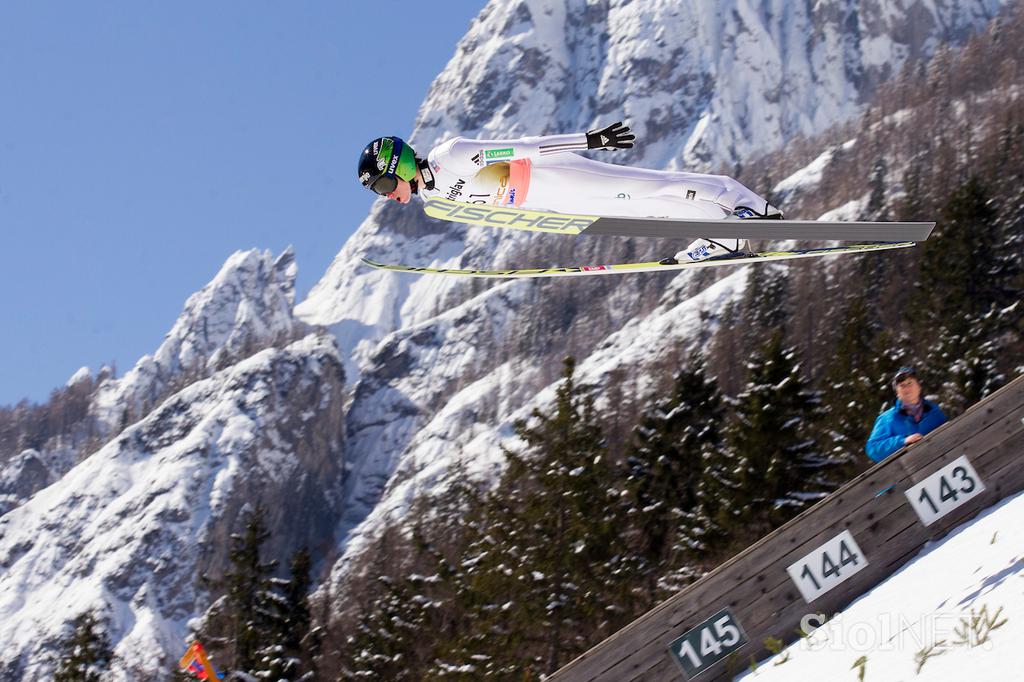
x=945, y=490
x=827, y=566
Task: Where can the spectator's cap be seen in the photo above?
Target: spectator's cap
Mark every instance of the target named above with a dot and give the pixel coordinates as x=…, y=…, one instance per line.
x=902, y=374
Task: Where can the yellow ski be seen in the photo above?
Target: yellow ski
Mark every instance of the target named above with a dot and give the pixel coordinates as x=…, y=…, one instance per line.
x=651, y=266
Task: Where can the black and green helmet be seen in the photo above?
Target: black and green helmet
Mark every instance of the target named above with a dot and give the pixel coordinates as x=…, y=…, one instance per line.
x=384, y=161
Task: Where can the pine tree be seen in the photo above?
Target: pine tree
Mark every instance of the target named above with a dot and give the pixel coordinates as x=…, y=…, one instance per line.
x=86, y=653
x=286, y=613
x=854, y=387
x=296, y=593
x=964, y=269
x=548, y=567
x=878, y=186
x=779, y=469
x=419, y=589
x=956, y=264
x=968, y=365
x=246, y=619
x=442, y=534
x=764, y=303
x=386, y=631
x=248, y=582
x=676, y=438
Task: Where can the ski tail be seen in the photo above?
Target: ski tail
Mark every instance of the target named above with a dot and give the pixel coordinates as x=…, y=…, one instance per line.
x=770, y=230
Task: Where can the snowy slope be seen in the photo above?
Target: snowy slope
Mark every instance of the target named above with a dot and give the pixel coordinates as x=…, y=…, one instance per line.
x=921, y=607
x=462, y=428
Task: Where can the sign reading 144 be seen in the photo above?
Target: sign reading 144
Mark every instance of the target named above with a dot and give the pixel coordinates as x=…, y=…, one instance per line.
x=827, y=566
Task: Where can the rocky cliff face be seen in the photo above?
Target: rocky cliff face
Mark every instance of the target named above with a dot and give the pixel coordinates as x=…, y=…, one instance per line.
x=246, y=308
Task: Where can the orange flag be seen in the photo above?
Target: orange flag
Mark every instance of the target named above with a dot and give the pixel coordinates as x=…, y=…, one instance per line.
x=196, y=662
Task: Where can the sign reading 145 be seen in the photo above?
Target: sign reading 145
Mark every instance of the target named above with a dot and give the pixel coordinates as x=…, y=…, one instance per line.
x=945, y=490
x=827, y=566
x=708, y=643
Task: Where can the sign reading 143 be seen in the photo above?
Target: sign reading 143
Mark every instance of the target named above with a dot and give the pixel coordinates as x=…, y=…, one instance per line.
x=945, y=490
x=708, y=643
x=827, y=566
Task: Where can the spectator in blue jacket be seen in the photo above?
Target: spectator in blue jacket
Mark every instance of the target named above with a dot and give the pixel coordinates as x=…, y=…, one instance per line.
x=907, y=422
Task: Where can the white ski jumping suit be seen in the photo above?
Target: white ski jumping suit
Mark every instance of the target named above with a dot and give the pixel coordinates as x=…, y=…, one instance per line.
x=542, y=173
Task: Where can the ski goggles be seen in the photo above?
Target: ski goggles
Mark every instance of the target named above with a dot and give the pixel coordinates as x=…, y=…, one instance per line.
x=383, y=184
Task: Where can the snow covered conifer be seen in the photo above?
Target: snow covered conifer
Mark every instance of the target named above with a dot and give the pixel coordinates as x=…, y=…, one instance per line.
x=960, y=271
x=778, y=468
x=956, y=263
x=549, y=563
x=245, y=620
x=86, y=653
x=248, y=581
x=854, y=388
x=965, y=366
x=385, y=633
x=285, y=609
x=765, y=302
x=674, y=447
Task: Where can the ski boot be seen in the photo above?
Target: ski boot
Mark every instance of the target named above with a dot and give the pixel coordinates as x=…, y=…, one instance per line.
x=710, y=249
x=746, y=213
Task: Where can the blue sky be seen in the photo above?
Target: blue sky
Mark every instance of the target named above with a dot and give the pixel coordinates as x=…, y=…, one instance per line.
x=143, y=142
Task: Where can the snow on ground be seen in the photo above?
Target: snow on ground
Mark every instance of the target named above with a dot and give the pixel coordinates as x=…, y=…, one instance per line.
x=978, y=566
x=850, y=211
x=810, y=175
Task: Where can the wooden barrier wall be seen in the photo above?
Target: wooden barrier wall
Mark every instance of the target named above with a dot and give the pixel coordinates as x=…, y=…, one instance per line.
x=756, y=588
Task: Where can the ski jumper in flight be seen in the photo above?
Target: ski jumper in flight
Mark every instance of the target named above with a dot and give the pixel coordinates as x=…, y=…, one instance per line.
x=543, y=173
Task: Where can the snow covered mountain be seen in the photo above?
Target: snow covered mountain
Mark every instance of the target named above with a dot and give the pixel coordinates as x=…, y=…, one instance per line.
x=247, y=400
x=129, y=530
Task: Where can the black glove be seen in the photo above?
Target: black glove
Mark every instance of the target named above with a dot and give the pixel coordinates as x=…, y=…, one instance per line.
x=615, y=136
